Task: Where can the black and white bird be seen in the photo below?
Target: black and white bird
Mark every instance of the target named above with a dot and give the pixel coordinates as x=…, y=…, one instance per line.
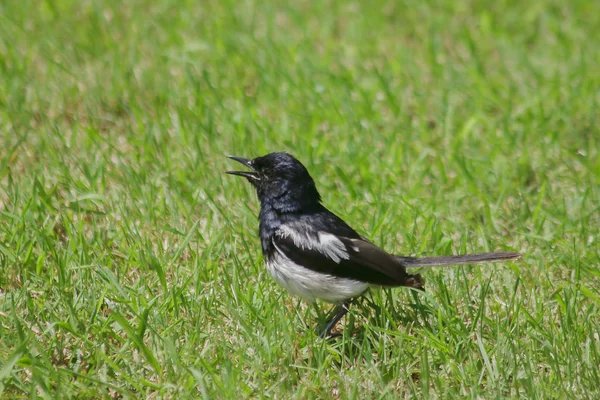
x=313, y=253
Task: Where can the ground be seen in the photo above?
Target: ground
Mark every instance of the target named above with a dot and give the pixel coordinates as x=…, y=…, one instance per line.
x=130, y=266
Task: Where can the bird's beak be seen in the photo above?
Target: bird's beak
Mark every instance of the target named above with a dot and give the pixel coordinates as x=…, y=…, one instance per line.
x=250, y=175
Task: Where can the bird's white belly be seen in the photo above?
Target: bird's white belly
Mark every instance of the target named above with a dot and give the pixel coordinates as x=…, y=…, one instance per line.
x=311, y=285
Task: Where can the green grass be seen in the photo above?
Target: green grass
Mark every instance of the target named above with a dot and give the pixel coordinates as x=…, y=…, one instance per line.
x=130, y=266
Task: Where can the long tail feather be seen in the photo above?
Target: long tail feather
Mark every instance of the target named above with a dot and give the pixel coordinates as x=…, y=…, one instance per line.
x=413, y=262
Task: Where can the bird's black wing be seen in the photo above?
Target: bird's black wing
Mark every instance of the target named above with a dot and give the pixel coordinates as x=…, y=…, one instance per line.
x=324, y=251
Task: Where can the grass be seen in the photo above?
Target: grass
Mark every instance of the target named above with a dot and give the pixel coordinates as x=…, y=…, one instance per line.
x=130, y=263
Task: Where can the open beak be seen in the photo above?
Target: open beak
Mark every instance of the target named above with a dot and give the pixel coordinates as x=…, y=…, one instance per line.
x=251, y=175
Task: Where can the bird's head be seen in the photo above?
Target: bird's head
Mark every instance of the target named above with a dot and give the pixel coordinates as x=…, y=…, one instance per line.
x=281, y=181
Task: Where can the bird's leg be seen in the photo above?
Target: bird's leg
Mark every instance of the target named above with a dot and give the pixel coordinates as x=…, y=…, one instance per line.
x=340, y=311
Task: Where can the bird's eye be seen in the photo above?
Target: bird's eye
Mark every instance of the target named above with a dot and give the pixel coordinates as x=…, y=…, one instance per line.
x=257, y=165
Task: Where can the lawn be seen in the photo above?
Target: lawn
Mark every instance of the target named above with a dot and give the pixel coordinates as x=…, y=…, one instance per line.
x=130, y=265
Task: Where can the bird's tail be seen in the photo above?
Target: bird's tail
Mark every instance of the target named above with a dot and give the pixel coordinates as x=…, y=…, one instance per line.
x=414, y=262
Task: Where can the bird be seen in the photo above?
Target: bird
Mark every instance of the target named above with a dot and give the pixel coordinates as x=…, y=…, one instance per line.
x=313, y=253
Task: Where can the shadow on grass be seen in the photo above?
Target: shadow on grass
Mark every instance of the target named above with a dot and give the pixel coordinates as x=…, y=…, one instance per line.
x=374, y=319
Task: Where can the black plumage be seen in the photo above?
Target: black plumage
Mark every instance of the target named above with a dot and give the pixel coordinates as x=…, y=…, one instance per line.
x=315, y=254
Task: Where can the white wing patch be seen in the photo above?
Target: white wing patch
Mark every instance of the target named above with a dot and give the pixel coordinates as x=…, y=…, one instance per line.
x=304, y=282
x=325, y=243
